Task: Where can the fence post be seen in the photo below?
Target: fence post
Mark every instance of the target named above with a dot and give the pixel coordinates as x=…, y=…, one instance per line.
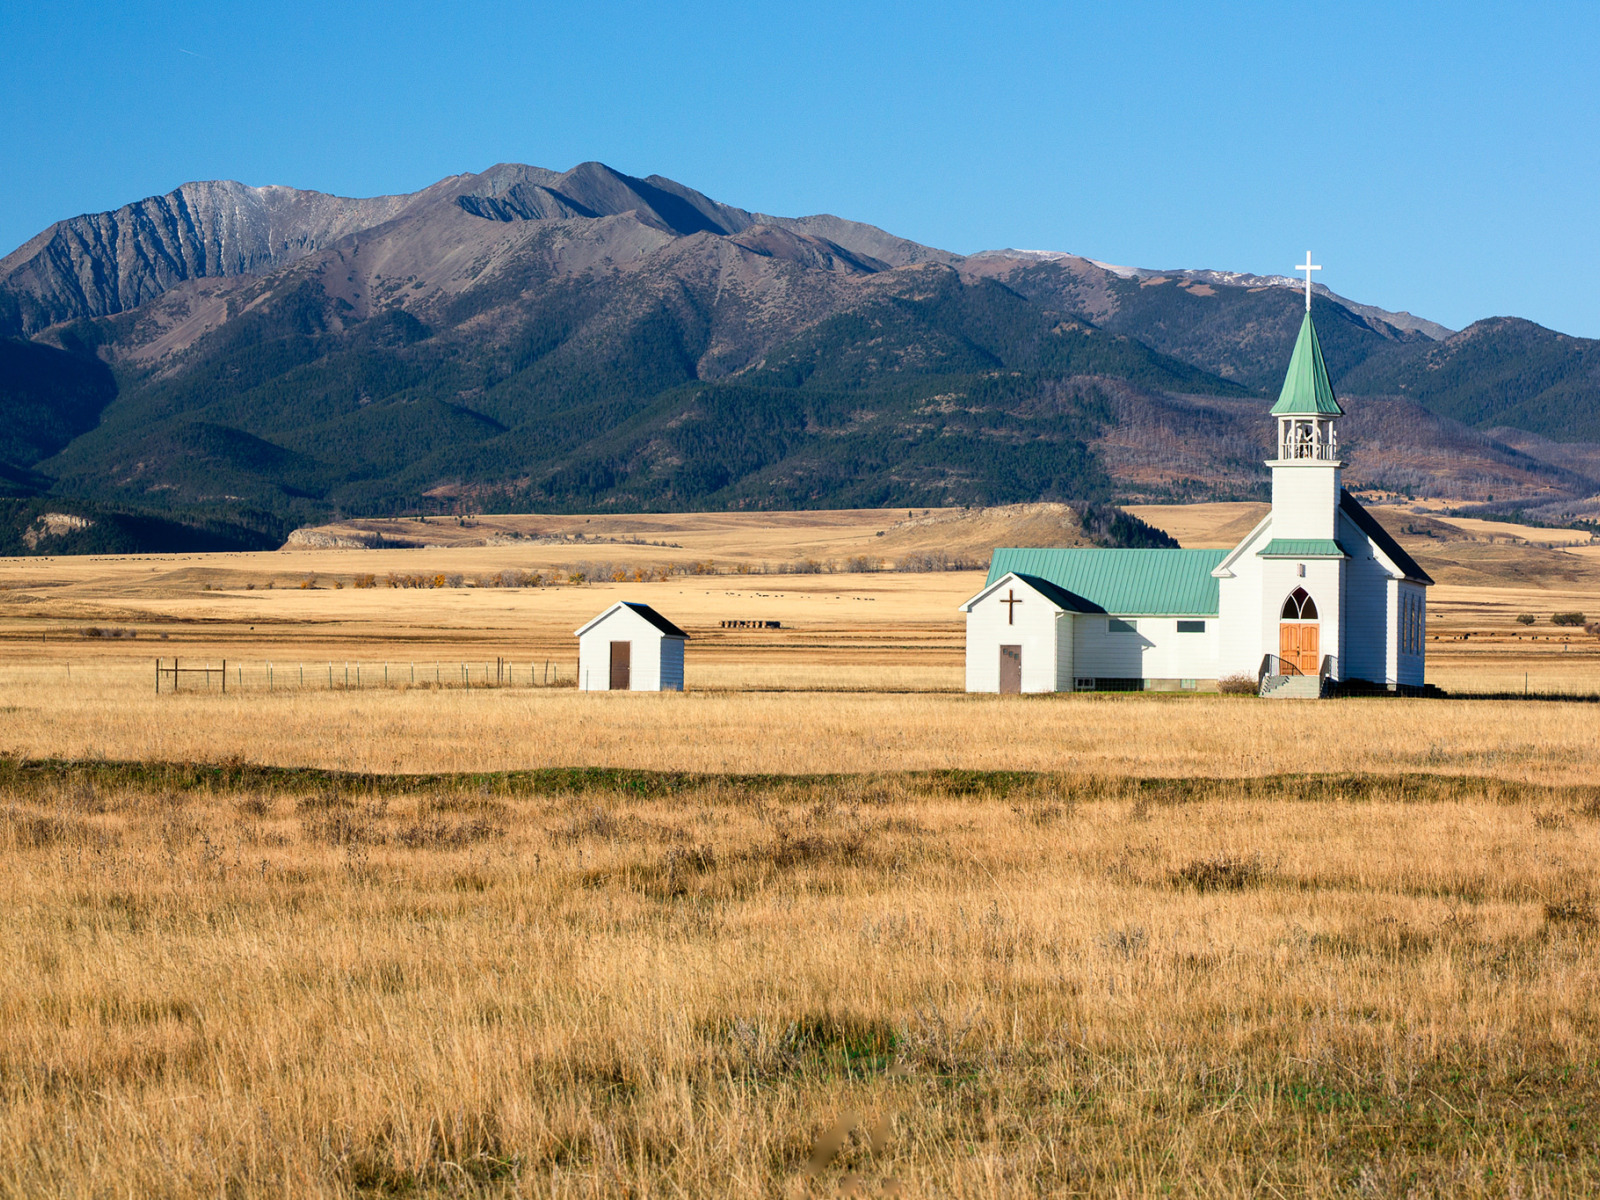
x=158, y=677
x=224, y=677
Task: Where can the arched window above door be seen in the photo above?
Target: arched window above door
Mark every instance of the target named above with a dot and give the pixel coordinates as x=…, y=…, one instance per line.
x=1299, y=607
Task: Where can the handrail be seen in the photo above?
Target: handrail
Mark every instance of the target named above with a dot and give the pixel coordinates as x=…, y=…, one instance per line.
x=1272, y=664
x=1323, y=451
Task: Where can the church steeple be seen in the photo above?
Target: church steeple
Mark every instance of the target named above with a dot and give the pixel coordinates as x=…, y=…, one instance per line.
x=1306, y=472
x=1306, y=408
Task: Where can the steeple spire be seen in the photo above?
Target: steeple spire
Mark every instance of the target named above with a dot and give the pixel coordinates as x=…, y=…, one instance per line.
x=1306, y=388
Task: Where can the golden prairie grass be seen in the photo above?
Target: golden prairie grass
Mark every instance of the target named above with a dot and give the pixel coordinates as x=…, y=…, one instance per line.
x=1220, y=948
x=251, y=983
x=109, y=710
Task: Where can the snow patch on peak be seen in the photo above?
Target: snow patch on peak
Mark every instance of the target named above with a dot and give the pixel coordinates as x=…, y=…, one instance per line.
x=1119, y=272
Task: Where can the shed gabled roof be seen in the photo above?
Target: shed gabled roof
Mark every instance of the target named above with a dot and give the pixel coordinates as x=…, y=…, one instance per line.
x=1368, y=524
x=642, y=610
x=1305, y=387
x=1127, y=582
x=1061, y=599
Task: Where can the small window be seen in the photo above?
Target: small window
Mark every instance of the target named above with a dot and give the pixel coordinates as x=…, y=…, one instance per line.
x=1191, y=626
x=1118, y=625
x=1085, y=685
x=1187, y=685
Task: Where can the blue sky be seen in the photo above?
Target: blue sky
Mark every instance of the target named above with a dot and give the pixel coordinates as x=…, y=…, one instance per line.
x=1438, y=158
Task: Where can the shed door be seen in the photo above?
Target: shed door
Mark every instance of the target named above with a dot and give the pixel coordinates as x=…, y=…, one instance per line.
x=621, y=658
x=1011, y=669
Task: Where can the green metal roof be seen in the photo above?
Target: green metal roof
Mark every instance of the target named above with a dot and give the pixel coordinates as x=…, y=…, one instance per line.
x=1302, y=548
x=1306, y=388
x=1125, y=582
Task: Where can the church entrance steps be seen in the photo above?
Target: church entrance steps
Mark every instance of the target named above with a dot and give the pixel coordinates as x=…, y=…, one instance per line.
x=1291, y=687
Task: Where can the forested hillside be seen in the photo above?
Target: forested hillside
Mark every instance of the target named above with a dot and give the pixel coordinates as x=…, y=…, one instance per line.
x=244, y=360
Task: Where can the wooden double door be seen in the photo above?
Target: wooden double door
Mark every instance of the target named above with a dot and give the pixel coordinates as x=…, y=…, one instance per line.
x=1298, y=646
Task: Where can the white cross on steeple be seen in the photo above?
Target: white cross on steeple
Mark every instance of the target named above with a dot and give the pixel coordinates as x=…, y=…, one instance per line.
x=1308, y=268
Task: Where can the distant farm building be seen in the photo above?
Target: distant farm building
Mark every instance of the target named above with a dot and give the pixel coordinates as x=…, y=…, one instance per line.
x=630, y=648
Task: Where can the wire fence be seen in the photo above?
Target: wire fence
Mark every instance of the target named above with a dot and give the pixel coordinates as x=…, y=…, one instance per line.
x=190, y=675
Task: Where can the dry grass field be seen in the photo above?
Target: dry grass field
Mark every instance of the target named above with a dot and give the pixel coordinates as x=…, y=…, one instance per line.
x=244, y=983
x=820, y=925
x=111, y=716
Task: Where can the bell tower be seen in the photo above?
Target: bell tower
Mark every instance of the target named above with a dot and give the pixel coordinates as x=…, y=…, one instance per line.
x=1306, y=473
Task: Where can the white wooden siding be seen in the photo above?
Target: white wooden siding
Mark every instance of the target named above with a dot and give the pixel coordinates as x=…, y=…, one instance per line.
x=1241, y=642
x=1411, y=668
x=1100, y=654
x=1155, y=650
x=1065, y=680
x=1369, y=623
x=1305, y=499
x=671, y=664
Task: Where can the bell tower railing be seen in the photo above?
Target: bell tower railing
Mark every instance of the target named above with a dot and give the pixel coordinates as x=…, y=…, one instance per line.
x=1307, y=438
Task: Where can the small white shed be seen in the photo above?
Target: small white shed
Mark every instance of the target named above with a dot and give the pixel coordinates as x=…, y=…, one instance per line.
x=630, y=648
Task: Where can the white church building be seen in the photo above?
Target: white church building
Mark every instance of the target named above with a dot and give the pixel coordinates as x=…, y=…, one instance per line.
x=1317, y=594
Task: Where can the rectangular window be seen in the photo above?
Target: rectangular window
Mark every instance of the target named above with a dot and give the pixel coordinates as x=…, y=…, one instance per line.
x=1118, y=625
x=1191, y=626
x=1086, y=685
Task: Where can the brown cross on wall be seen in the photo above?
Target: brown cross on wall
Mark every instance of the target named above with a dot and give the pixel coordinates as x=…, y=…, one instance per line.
x=1011, y=601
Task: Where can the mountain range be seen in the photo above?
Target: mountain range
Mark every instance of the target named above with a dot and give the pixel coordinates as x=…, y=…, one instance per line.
x=222, y=363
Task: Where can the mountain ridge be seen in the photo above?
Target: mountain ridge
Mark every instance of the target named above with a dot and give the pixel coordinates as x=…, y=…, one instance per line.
x=590, y=338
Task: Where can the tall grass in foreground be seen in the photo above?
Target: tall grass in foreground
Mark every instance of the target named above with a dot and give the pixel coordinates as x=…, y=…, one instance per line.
x=245, y=983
